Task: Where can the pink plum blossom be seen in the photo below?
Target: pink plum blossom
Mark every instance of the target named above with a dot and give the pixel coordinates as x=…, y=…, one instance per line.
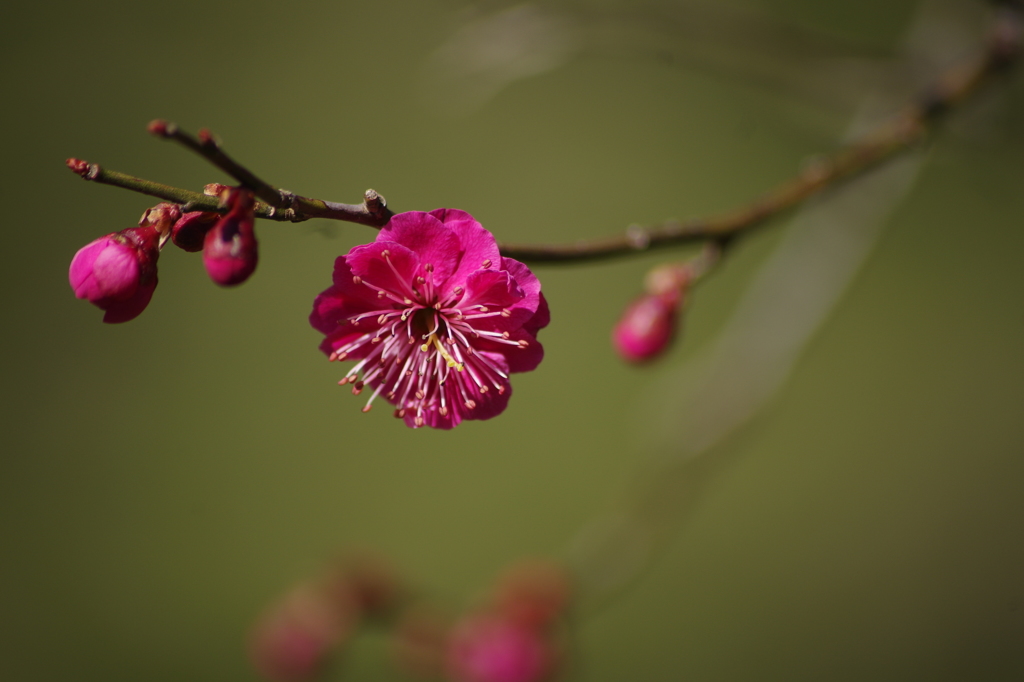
x=436, y=318
x=117, y=273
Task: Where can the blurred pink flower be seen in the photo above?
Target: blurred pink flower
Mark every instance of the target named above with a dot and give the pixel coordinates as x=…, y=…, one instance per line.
x=117, y=273
x=486, y=648
x=296, y=637
x=436, y=317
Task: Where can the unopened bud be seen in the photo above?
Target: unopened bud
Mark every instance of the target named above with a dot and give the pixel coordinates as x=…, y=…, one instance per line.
x=647, y=327
x=189, y=232
x=117, y=273
x=296, y=636
x=650, y=322
x=487, y=648
x=229, y=249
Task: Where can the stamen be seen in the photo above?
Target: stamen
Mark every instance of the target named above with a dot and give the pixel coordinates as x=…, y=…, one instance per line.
x=452, y=362
x=486, y=264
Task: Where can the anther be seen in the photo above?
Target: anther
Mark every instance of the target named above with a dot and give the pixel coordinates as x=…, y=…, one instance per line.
x=505, y=335
x=429, y=267
x=385, y=253
x=458, y=290
x=419, y=421
x=483, y=389
x=443, y=411
x=419, y=395
x=357, y=280
x=380, y=294
x=523, y=344
x=380, y=320
x=501, y=389
x=375, y=339
x=486, y=264
x=470, y=404
x=367, y=408
x=505, y=312
x=420, y=280
x=400, y=413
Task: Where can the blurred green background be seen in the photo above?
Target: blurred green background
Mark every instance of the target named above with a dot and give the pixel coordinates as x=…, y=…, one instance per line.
x=162, y=480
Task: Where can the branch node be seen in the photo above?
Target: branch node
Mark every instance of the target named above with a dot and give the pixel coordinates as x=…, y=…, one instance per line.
x=161, y=128
x=638, y=237
x=79, y=167
x=375, y=203
x=207, y=139
x=287, y=198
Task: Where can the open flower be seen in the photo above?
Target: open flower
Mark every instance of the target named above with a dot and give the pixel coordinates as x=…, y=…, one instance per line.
x=435, y=316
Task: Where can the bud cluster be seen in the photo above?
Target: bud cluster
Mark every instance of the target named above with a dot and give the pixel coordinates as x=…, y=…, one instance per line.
x=511, y=637
x=117, y=273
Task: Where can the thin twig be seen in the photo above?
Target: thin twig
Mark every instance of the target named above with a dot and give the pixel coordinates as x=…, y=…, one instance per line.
x=893, y=137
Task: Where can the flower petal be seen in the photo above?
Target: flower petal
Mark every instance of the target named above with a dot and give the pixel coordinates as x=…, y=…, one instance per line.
x=425, y=235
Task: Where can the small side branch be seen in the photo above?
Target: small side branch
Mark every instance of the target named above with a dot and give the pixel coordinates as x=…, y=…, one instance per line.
x=900, y=134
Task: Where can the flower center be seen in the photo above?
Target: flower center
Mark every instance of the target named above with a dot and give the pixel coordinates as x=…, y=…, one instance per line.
x=423, y=352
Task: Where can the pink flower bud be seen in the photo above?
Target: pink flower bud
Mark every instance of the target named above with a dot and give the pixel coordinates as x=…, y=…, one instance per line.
x=647, y=327
x=487, y=648
x=230, y=250
x=649, y=324
x=117, y=273
x=296, y=636
x=189, y=232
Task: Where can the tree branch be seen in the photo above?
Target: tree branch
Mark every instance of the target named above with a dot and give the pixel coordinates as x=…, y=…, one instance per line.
x=895, y=136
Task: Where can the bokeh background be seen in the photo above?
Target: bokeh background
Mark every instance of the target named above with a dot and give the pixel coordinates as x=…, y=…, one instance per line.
x=162, y=480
